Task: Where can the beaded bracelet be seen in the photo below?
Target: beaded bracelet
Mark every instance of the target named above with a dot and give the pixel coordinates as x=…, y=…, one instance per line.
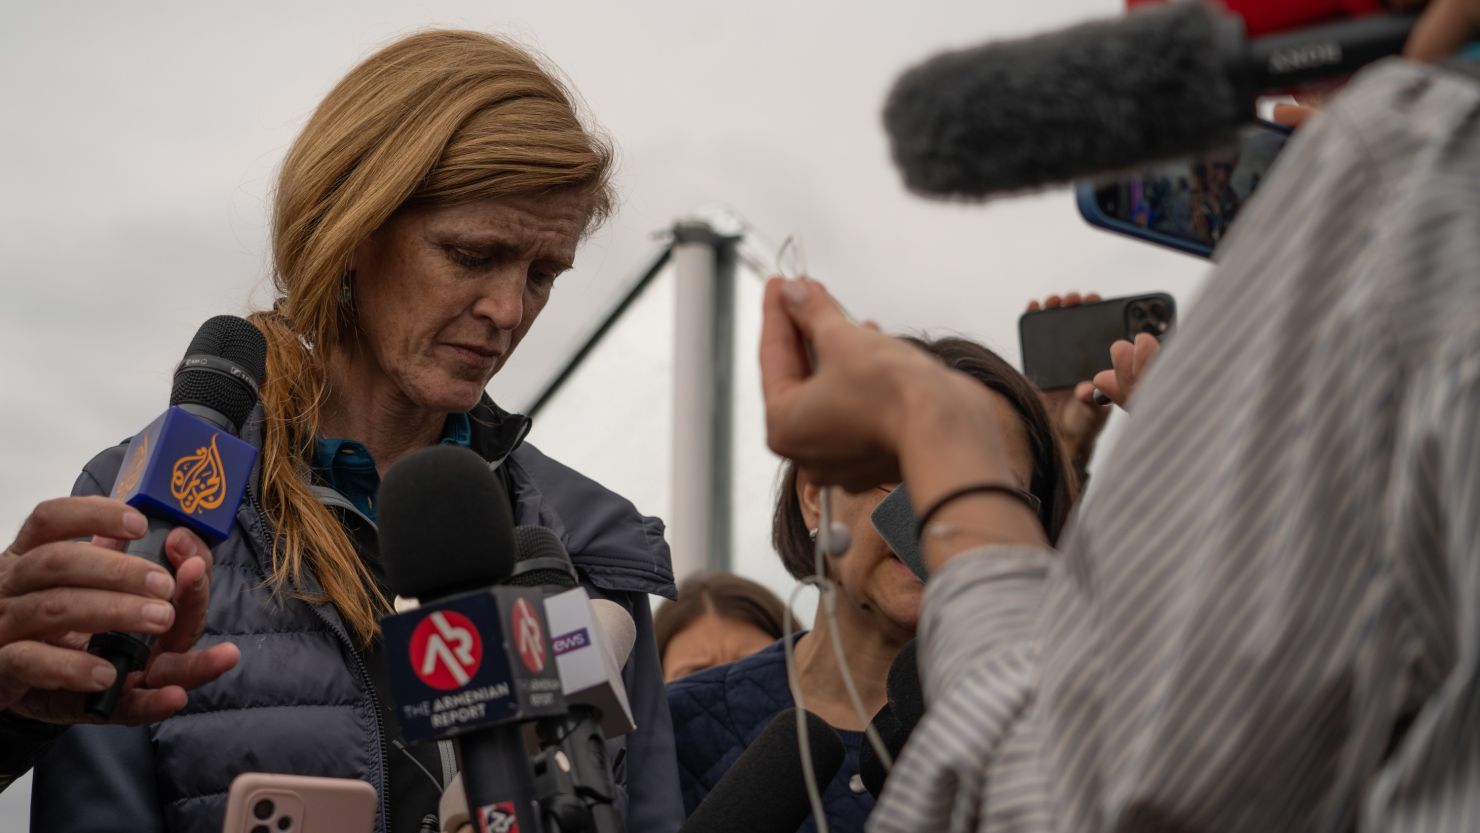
x=1028, y=499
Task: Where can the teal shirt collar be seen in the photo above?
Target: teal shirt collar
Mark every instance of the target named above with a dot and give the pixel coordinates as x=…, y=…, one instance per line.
x=346, y=466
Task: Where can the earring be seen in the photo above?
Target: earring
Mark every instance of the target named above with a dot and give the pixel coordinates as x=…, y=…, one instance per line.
x=347, y=289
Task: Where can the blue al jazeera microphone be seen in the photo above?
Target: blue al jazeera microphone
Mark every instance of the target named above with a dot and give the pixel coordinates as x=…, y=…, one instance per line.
x=188, y=467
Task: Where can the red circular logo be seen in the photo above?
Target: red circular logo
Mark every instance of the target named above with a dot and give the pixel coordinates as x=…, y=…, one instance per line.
x=528, y=636
x=445, y=650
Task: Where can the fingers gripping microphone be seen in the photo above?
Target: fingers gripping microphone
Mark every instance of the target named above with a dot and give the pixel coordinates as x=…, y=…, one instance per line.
x=764, y=791
x=188, y=468
x=473, y=661
x=1104, y=96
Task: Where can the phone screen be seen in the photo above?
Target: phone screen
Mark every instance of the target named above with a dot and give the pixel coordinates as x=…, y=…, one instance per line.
x=1192, y=201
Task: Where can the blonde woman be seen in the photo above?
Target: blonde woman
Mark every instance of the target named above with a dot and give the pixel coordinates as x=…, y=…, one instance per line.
x=421, y=221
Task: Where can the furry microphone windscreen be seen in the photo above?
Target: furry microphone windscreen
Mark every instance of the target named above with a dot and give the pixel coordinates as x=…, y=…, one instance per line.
x=1091, y=99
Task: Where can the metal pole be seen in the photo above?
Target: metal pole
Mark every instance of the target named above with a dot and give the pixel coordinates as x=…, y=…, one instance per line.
x=703, y=371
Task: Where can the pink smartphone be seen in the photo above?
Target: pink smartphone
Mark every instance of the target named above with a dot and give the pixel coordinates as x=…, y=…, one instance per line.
x=261, y=802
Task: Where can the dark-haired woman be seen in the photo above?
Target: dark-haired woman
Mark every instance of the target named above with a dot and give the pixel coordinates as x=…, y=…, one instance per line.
x=717, y=713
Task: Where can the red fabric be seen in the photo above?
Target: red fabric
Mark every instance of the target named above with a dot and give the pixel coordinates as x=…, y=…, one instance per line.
x=1262, y=17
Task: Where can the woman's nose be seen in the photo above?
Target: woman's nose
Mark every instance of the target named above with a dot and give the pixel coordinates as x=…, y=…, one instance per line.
x=502, y=303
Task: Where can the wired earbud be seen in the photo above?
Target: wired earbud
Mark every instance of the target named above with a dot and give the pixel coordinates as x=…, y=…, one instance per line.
x=836, y=542
x=830, y=539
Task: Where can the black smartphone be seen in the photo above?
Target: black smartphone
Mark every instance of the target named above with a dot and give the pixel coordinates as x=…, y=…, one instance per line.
x=1068, y=345
x=1187, y=204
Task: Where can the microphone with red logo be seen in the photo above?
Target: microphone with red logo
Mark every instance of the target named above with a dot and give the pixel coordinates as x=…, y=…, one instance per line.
x=473, y=662
x=188, y=468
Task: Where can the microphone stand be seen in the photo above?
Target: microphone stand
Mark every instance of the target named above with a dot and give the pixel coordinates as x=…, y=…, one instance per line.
x=573, y=779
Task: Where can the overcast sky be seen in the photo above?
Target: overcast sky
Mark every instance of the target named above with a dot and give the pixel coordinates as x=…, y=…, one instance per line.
x=141, y=141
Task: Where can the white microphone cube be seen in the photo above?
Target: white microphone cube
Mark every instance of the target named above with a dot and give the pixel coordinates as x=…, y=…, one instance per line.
x=585, y=655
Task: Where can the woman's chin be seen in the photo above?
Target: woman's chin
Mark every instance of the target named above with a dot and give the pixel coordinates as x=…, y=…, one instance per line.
x=900, y=603
x=450, y=396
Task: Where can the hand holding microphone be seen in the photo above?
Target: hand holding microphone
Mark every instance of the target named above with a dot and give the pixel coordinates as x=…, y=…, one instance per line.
x=55, y=590
x=187, y=468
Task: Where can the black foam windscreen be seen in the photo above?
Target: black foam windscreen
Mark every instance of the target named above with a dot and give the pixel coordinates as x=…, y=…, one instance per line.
x=445, y=523
x=1090, y=99
x=903, y=687
x=764, y=791
x=540, y=560
x=870, y=768
x=896, y=720
x=224, y=348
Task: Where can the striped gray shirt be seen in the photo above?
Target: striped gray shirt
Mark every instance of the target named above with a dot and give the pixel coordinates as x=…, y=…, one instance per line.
x=1268, y=616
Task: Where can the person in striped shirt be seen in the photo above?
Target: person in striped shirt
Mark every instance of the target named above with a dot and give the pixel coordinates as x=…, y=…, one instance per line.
x=1268, y=618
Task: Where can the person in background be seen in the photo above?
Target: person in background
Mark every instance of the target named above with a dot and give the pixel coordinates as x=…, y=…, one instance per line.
x=718, y=712
x=421, y=221
x=717, y=618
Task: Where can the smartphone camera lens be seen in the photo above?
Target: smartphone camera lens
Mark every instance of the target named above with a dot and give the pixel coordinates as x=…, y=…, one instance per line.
x=263, y=809
x=285, y=823
x=1137, y=312
x=1158, y=310
x=261, y=828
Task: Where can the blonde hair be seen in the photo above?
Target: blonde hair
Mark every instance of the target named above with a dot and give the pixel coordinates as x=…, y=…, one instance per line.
x=437, y=118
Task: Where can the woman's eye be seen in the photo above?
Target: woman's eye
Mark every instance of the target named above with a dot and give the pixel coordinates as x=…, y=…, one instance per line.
x=469, y=260
x=543, y=276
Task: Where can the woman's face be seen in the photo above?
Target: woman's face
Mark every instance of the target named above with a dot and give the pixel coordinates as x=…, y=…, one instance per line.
x=708, y=641
x=443, y=294
x=870, y=577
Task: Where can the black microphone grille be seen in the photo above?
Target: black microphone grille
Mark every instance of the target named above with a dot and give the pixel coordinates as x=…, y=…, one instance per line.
x=540, y=560
x=764, y=789
x=445, y=523
x=222, y=368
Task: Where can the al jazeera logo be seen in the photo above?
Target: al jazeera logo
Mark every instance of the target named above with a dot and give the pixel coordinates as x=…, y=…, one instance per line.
x=198, y=481
x=133, y=471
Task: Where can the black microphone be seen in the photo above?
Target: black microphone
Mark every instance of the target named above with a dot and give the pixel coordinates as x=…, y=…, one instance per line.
x=1157, y=83
x=187, y=467
x=591, y=678
x=765, y=791
x=473, y=661
x=896, y=720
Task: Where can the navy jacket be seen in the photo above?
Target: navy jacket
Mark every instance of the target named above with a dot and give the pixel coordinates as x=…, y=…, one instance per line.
x=301, y=701
x=720, y=711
